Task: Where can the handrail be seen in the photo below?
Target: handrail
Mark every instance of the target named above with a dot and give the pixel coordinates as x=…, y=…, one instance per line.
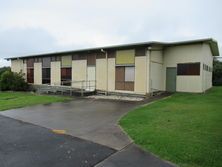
x=83, y=84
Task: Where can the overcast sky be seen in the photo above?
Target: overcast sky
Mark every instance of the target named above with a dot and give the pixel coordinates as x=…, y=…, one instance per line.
x=30, y=27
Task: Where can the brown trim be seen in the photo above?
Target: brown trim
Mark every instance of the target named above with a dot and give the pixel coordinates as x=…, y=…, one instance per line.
x=120, y=74
x=79, y=56
x=100, y=55
x=140, y=51
x=55, y=58
x=111, y=54
x=30, y=62
x=91, y=59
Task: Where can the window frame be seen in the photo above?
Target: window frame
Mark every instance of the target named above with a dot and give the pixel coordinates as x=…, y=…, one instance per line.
x=188, y=69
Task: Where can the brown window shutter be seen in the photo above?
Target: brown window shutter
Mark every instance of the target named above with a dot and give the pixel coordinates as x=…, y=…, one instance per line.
x=120, y=73
x=129, y=86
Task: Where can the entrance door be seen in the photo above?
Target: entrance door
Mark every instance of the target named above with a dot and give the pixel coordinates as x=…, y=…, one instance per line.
x=171, y=74
x=91, y=77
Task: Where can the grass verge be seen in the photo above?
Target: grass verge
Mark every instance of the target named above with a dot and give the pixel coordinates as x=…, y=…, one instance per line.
x=10, y=100
x=185, y=128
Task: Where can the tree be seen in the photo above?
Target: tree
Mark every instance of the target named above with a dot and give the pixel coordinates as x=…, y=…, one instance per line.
x=13, y=81
x=217, y=72
x=3, y=69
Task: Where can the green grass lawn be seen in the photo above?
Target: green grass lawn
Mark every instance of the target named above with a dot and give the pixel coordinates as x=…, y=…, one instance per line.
x=10, y=100
x=185, y=128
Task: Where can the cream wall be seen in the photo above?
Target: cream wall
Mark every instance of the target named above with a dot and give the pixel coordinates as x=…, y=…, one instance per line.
x=37, y=73
x=156, y=71
x=184, y=54
x=208, y=60
x=56, y=73
x=189, y=84
x=101, y=74
x=111, y=74
x=17, y=66
x=148, y=66
x=79, y=72
x=140, y=75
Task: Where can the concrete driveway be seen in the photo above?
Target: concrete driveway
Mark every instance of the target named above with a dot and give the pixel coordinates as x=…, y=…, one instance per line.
x=94, y=120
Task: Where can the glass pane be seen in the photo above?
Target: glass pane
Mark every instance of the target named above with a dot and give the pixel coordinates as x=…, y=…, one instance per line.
x=129, y=74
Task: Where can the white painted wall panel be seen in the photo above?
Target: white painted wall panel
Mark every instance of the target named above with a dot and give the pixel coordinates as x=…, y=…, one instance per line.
x=79, y=72
x=56, y=73
x=38, y=73
x=111, y=74
x=101, y=74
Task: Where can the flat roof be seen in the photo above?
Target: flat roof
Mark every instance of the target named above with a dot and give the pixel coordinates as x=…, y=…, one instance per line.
x=213, y=45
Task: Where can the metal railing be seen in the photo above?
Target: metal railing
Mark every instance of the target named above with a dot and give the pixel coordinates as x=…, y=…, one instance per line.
x=70, y=86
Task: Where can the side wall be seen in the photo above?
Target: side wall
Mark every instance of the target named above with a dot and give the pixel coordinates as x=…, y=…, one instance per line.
x=184, y=54
x=207, y=60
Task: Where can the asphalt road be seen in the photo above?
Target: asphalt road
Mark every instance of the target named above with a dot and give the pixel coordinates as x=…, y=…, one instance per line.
x=26, y=145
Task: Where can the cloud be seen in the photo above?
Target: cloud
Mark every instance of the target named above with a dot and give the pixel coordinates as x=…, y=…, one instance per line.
x=53, y=25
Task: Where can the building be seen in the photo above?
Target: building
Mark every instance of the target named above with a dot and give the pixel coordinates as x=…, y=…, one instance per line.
x=139, y=68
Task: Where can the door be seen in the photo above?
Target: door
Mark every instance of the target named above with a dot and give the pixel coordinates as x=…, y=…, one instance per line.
x=171, y=74
x=91, y=77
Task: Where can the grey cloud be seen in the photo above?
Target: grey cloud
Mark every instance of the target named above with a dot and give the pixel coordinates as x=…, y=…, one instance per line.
x=125, y=21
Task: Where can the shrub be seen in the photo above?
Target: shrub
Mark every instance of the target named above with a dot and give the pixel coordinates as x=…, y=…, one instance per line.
x=217, y=73
x=13, y=81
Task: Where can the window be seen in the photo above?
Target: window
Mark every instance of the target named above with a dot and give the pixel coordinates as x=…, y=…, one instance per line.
x=207, y=68
x=66, y=76
x=129, y=74
x=188, y=69
x=46, y=69
x=30, y=75
x=125, y=78
x=125, y=69
x=30, y=70
x=46, y=76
